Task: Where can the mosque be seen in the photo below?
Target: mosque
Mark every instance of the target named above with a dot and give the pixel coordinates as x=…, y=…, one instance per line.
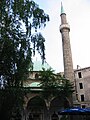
x=37, y=108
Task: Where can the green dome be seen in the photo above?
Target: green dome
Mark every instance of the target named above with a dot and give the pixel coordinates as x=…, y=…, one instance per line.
x=37, y=66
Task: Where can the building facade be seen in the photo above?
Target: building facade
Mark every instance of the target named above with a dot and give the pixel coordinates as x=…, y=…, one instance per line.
x=37, y=108
x=82, y=83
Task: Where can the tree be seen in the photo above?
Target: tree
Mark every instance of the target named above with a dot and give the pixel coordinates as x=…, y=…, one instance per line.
x=19, y=38
x=11, y=102
x=54, y=85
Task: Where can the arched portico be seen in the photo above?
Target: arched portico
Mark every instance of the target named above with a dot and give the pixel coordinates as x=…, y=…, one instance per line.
x=56, y=104
x=36, y=109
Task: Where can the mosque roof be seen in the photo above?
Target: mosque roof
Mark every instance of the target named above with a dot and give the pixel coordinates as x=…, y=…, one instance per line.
x=34, y=84
x=38, y=65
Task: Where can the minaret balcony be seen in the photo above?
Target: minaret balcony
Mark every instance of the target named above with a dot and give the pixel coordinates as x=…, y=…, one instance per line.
x=64, y=26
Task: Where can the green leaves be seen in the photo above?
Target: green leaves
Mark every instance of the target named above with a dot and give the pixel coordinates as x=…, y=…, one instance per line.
x=11, y=100
x=38, y=43
x=19, y=38
x=55, y=85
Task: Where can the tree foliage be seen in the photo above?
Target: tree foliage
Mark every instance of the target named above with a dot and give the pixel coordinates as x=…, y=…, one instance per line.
x=19, y=38
x=11, y=102
x=20, y=21
x=54, y=85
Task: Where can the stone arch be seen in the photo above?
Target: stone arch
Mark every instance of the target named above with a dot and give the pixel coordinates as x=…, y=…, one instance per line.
x=28, y=97
x=36, y=100
x=36, y=108
x=56, y=104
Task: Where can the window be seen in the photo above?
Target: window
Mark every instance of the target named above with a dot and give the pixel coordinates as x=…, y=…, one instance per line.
x=82, y=97
x=81, y=85
x=79, y=75
x=36, y=76
x=83, y=106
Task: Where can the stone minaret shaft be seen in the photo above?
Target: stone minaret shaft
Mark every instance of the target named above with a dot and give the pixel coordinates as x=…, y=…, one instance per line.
x=67, y=55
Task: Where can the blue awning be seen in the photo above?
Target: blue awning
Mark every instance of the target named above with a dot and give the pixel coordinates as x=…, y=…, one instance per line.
x=75, y=110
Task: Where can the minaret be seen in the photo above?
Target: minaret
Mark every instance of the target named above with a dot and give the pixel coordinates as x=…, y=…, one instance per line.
x=67, y=55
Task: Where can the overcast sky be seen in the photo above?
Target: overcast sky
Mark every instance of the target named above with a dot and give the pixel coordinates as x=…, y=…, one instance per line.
x=78, y=17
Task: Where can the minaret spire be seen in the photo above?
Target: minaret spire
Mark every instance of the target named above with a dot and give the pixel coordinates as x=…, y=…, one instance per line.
x=62, y=9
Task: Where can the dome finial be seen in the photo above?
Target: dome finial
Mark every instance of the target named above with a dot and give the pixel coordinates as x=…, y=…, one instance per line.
x=62, y=9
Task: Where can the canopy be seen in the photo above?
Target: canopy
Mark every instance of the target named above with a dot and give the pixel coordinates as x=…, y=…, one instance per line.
x=74, y=111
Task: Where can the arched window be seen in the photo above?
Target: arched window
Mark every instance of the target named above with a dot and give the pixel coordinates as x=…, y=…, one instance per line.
x=36, y=76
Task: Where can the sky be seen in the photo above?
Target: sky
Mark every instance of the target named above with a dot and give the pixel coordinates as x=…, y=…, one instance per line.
x=78, y=17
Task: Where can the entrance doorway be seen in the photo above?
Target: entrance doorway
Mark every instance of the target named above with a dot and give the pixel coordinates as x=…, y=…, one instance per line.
x=54, y=117
x=36, y=109
x=35, y=116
